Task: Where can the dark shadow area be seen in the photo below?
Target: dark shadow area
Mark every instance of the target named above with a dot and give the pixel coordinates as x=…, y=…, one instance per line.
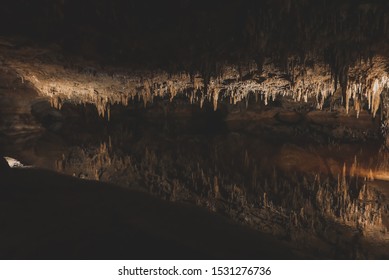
x=45, y=215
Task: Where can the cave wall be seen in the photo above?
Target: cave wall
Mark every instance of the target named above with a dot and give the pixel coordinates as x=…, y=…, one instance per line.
x=332, y=55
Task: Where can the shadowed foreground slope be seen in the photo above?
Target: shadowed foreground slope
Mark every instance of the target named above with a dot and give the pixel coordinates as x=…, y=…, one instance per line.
x=44, y=215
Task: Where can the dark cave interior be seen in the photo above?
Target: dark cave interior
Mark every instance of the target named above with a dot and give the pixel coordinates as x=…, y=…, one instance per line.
x=194, y=129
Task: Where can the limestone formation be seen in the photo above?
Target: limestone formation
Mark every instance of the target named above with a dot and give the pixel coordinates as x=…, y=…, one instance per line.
x=301, y=83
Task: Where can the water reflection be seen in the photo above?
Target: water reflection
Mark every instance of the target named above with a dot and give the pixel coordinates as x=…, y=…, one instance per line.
x=317, y=195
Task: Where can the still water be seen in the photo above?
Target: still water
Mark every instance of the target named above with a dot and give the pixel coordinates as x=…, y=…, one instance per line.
x=291, y=179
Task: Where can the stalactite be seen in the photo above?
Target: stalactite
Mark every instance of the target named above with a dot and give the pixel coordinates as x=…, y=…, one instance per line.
x=357, y=106
x=365, y=83
x=108, y=112
x=216, y=92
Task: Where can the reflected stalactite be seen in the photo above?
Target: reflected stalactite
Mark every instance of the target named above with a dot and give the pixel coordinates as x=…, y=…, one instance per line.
x=290, y=204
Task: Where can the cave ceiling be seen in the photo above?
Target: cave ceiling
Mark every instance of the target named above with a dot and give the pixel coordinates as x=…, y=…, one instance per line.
x=215, y=52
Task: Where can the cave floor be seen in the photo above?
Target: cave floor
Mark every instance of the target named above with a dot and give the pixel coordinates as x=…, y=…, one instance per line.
x=45, y=215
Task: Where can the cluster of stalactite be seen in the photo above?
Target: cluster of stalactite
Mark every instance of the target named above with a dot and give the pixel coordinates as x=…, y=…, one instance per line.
x=302, y=82
x=367, y=79
x=326, y=51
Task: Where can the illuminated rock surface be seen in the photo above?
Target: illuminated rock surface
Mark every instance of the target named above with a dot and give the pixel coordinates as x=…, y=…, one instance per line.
x=106, y=87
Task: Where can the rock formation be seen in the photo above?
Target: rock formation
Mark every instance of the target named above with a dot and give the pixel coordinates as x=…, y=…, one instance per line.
x=272, y=113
